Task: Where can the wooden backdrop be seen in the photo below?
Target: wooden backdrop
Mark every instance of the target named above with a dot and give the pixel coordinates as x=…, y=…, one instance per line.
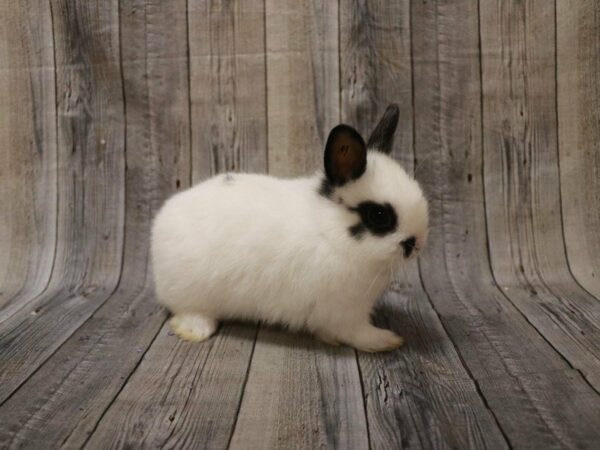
x=109, y=106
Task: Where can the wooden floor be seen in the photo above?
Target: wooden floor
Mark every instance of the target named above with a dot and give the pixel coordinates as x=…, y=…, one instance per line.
x=107, y=107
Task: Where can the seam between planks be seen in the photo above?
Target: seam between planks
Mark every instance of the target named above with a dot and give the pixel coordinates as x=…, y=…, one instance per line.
x=125, y=383
x=364, y=397
x=246, y=376
x=189, y=96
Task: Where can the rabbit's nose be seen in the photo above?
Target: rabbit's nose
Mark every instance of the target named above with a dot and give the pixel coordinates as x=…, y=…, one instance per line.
x=408, y=245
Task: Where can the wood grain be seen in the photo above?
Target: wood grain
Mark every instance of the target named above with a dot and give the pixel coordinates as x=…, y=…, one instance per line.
x=108, y=107
x=495, y=342
x=90, y=189
x=227, y=86
x=77, y=384
x=578, y=114
x=308, y=395
x=302, y=83
x=522, y=181
x=28, y=190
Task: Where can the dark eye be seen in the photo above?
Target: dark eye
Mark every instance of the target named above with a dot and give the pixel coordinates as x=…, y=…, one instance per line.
x=379, y=217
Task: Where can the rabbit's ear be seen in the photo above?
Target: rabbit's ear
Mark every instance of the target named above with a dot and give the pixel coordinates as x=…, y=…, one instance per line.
x=345, y=155
x=382, y=138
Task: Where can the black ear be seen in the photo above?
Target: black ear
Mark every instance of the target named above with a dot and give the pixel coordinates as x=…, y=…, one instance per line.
x=382, y=138
x=345, y=155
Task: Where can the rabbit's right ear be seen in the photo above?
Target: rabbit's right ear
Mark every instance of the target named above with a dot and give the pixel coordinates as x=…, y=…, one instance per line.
x=345, y=155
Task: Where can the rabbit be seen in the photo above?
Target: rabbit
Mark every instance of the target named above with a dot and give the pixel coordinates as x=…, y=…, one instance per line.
x=311, y=253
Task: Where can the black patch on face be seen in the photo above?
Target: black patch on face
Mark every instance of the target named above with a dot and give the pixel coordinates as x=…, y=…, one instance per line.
x=326, y=188
x=379, y=219
x=357, y=231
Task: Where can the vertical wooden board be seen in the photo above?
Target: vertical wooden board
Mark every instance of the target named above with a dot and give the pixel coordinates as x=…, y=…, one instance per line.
x=375, y=59
x=62, y=403
x=27, y=153
x=522, y=180
x=91, y=142
x=227, y=85
x=301, y=394
x=411, y=395
x=578, y=69
x=493, y=339
x=90, y=189
x=302, y=83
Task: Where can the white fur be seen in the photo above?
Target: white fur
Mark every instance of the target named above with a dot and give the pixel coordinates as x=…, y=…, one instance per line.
x=256, y=247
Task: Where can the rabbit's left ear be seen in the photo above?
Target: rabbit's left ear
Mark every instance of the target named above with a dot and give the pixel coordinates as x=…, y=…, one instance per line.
x=345, y=155
x=382, y=138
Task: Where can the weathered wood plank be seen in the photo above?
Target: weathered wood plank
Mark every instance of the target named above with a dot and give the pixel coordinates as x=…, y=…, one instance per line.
x=494, y=340
x=61, y=404
x=522, y=181
x=420, y=396
x=228, y=86
x=90, y=189
x=183, y=395
x=578, y=69
x=302, y=82
x=197, y=406
x=27, y=153
x=301, y=394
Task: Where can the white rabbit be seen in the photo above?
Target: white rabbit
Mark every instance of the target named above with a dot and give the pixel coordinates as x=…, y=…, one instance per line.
x=309, y=253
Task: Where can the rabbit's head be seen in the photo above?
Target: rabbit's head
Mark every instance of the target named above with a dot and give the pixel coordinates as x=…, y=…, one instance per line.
x=374, y=201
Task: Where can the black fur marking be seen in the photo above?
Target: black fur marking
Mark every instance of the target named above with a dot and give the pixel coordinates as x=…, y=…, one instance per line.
x=326, y=188
x=345, y=157
x=357, y=231
x=382, y=138
x=379, y=219
x=409, y=245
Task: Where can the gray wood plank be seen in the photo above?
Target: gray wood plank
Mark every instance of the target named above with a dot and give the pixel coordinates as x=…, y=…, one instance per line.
x=301, y=394
x=90, y=189
x=62, y=403
x=578, y=90
x=183, y=395
x=197, y=407
x=522, y=181
x=28, y=190
x=228, y=86
x=420, y=396
x=302, y=83
x=496, y=343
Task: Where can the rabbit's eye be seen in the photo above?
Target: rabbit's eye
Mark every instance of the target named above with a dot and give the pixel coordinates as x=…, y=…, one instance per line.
x=379, y=219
